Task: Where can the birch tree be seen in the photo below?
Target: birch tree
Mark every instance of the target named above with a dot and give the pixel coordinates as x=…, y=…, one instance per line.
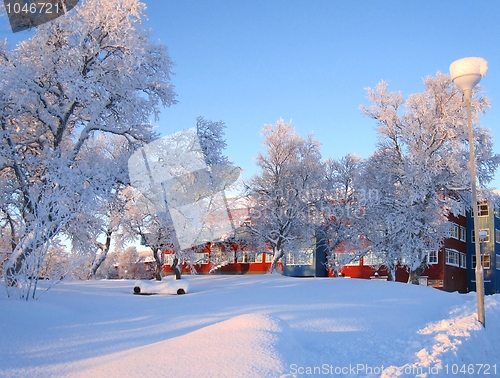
x=340, y=211
x=140, y=220
x=96, y=72
x=422, y=152
x=283, y=193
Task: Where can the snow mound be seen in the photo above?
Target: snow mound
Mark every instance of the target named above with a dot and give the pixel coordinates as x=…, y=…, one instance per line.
x=161, y=287
x=240, y=346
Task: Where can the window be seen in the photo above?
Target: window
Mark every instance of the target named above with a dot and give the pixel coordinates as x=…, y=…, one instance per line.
x=497, y=259
x=463, y=234
x=219, y=256
x=432, y=257
x=168, y=259
x=251, y=257
x=246, y=257
x=483, y=210
x=458, y=232
x=452, y=257
x=455, y=258
x=485, y=260
x=497, y=235
x=463, y=260
x=200, y=258
x=374, y=258
x=487, y=239
x=304, y=257
x=454, y=231
x=346, y=259
x=268, y=256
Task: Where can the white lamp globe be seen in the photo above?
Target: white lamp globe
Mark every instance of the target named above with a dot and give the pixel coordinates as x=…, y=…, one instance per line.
x=467, y=72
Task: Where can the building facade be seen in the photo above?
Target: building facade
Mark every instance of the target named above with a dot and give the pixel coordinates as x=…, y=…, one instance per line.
x=489, y=221
x=446, y=270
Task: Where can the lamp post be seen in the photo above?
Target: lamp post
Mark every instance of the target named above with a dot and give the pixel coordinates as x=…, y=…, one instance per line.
x=466, y=73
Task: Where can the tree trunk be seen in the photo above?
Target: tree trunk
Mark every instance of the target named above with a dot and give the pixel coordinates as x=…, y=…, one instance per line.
x=415, y=274
x=391, y=274
x=278, y=254
x=175, y=267
x=13, y=267
x=104, y=253
x=33, y=241
x=18, y=260
x=158, y=265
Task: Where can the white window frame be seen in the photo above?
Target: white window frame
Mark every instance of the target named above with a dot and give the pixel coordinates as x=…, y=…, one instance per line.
x=268, y=256
x=168, y=258
x=497, y=235
x=344, y=256
x=304, y=257
x=250, y=257
x=463, y=234
x=452, y=257
x=374, y=259
x=432, y=257
x=455, y=231
x=484, y=258
x=463, y=260
x=483, y=210
x=487, y=240
x=218, y=256
x=497, y=261
x=201, y=258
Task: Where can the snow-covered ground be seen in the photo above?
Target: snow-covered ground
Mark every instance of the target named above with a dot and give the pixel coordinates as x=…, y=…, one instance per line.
x=249, y=326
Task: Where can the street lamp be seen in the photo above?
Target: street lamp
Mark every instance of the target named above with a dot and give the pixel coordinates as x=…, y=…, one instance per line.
x=466, y=73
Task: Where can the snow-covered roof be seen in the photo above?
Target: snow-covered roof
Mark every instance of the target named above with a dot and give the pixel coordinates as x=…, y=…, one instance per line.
x=145, y=259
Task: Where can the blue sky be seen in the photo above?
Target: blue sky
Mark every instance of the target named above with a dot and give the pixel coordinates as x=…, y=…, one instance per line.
x=250, y=63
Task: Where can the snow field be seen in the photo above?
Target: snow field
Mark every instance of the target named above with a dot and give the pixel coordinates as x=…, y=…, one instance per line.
x=247, y=326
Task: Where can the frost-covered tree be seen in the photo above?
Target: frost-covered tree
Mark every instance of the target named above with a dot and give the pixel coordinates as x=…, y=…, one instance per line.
x=340, y=211
x=283, y=193
x=211, y=136
x=140, y=220
x=127, y=262
x=58, y=263
x=96, y=72
x=91, y=232
x=383, y=212
x=109, y=267
x=422, y=153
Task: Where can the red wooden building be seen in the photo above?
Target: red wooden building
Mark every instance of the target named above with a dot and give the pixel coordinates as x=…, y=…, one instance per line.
x=238, y=257
x=446, y=270
x=223, y=258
